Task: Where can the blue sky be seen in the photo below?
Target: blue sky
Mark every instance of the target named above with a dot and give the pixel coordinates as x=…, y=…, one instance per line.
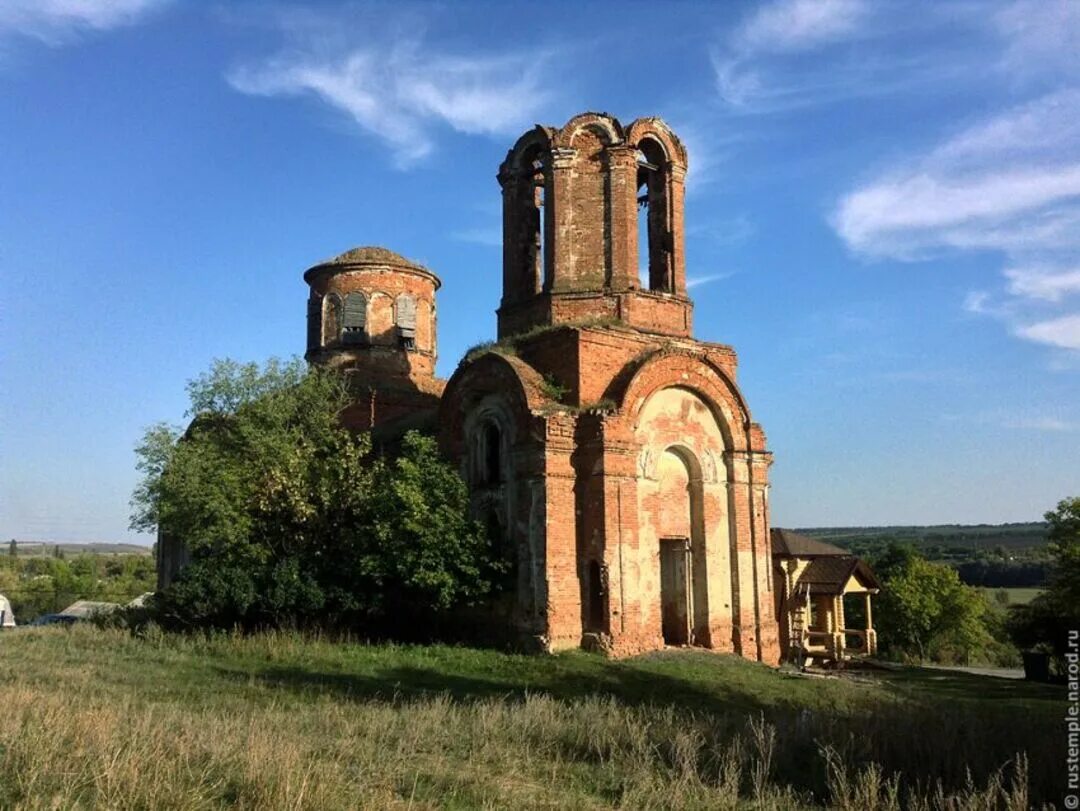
x=883, y=218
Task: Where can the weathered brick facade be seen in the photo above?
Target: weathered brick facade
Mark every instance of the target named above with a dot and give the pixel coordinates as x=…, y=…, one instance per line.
x=610, y=451
x=371, y=313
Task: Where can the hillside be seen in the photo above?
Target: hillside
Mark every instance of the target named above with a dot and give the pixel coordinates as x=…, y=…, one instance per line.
x=31, y=548
x=102, y=719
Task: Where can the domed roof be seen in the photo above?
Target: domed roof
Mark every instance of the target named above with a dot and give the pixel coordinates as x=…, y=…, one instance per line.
x=369, y=255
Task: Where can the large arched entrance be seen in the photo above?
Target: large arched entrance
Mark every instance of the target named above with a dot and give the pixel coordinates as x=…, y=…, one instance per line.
x=683, y=587
x=684, y=510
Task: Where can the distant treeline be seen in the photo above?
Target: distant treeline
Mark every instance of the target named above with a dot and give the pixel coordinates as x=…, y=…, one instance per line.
x=998, y=556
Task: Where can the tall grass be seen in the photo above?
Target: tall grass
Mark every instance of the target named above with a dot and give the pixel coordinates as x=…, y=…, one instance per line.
x=96, y=719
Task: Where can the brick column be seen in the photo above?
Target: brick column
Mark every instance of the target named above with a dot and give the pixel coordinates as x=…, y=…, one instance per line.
x=558, y=220
x=767, y=629
x=676, y=205
x=743, y=614
x=626, y=619
x=563, y=578
x=622, y=214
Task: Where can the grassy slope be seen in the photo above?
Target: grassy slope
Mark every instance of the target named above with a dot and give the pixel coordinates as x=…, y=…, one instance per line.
x=99, y=718
x=1018, y=595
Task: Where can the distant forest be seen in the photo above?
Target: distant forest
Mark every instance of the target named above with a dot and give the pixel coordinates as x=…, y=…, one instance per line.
x=989, y=555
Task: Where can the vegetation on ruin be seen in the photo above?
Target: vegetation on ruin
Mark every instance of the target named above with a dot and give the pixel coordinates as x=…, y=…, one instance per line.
x=294, y=521
x=98, y=718
x=509, y=345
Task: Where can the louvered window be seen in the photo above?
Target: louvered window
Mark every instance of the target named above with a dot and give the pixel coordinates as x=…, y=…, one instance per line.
x=352, y=329
x=405, y=318
x=314, y=323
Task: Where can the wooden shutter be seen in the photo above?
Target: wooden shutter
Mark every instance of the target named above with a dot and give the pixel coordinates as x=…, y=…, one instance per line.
x=355, y=318
x=406, y=316
x=314, y=323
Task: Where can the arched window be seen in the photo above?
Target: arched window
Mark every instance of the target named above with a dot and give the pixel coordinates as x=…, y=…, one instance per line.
x=355, y=320
x=491, y=473
x=314, y=322
x=539, y=260
x=331, y=326
x=405, y=320
x=655, y=241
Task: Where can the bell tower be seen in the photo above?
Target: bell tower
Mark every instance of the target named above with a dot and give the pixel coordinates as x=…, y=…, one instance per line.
x=573, y=251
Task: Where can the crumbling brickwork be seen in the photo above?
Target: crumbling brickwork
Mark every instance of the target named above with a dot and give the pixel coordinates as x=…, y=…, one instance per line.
x=372, y=314
x=633, y=488
x=608, y=452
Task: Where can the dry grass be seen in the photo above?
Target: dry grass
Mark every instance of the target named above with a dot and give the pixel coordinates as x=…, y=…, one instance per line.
x=96, y=719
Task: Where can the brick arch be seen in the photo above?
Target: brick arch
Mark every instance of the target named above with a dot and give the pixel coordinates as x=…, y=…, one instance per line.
x=606, y=126
x=538, y=138
x=515, y=381
x=656, y=129
x=676, y=369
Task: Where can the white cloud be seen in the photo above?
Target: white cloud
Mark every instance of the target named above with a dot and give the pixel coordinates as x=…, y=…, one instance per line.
x=488, y=237
x=1010, y=184
x=1046, y=285
x=1040, y=34
x=795, y=25
x=400, y=92
x=1063, y=332
x=698, y=281
x=1052, y=424
x=795, y=53
x=55, y=21
x=783, y=28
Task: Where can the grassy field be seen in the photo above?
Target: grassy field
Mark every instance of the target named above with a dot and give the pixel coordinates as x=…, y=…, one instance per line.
x=95, y=718
x=1016, y=595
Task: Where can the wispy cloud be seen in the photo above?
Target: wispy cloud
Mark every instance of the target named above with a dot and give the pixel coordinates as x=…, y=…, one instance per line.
x=1047, y=284
x=789, y=54
x=57, y=21
x=1063, y=332
x=745, y=78
x=796, y=25
x=723, y=231
x=401, y=91
x=1052, y=424
x=699, y=281
x=488, y=237
x=1009, y=184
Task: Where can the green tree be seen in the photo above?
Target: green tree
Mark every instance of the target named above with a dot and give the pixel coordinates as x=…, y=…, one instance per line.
x=925, y=609
x=1046, y=621
x=13, y=548
x=290, y=518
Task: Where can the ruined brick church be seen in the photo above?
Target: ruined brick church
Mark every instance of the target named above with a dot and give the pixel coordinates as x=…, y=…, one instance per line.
x=610, y=451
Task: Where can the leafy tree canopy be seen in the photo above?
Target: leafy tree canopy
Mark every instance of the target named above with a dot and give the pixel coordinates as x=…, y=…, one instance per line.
x=1046, y=621
x=293, y=520
x=924, y=607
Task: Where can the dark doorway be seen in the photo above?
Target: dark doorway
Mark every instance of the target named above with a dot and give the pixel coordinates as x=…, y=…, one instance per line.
x=674, y=592
x=596, y=597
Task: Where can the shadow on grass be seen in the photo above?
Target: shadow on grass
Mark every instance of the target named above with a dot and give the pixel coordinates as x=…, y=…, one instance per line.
x=936, y=732
x=925, y=683
x=400, y=683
